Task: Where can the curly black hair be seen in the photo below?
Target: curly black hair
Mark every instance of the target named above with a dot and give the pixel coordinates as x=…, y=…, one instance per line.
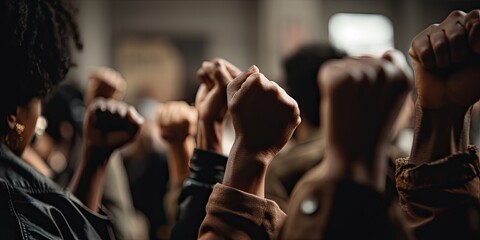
x=35, y=50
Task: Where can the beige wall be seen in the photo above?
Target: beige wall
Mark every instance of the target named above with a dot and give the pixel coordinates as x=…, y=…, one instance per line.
x=229, y=27
x=244, y=31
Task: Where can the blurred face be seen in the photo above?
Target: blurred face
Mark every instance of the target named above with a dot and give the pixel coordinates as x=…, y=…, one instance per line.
x=27, y=115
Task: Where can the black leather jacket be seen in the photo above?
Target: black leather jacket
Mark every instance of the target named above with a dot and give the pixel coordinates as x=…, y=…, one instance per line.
x=33, y=207
x=206, y=170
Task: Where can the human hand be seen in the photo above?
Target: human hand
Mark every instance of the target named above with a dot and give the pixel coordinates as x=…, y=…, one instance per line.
x=107, y=83
x=361, y=98
x=211, y=102
x=110, y=124
x=264, y=118
x=177, y=121
x=263, y=114
x=446, y=62
x=211, y=99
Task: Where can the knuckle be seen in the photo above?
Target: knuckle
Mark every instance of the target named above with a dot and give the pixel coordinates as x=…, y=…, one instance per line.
x=456, y=37
x=218, y=61
x=456, y=14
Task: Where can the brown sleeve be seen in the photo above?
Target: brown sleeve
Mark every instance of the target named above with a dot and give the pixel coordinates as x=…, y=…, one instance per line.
x=441, y=198
x=234, y=214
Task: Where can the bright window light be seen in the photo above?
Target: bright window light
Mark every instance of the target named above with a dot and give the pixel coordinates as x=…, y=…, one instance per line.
x=359, y=34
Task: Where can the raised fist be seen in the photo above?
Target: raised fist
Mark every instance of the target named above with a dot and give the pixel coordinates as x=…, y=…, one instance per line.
x=107, y=83
x=177, y=121
x=361, y=98
x=263, y=114
x=211, y=100
x=446, y=62
x=110, y=124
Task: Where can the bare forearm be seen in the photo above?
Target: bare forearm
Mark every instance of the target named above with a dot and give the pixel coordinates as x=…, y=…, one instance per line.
x=179, y=155
x=87, y=183
x=439, y=133
x=245, y=171
x=209, y=136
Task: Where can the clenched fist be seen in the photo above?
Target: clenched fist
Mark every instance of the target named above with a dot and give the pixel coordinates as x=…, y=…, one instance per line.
x=211, y=102
x=446, y=62
x=264, y=118
x=177, y=121
x=263, y=114
x=361, y=98
x=110, y=124
x=107, y=83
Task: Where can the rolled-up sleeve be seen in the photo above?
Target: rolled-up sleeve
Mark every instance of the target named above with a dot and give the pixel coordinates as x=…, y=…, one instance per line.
x=234, y=214
x=440, y=198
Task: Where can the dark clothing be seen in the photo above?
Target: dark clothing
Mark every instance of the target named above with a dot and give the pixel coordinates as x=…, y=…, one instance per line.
x=441, y=198
x=286, y=169
x=319, y=210
x=234, y=214
x=206, y=170
x=341, y=209
x=148, y=179
x=33, y=207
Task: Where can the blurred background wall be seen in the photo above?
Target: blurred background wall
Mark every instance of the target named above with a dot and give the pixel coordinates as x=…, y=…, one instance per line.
x=159, y=44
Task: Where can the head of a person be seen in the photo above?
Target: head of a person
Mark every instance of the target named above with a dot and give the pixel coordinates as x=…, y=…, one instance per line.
x=63, y=111
x=35, y=47
x=301, y=70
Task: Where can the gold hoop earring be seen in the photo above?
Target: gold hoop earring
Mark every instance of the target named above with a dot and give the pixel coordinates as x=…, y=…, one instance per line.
x=14, y=139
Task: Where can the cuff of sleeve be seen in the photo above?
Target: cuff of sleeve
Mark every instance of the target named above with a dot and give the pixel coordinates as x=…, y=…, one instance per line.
x=261, y=212
x=207, y=167
x=454, y=170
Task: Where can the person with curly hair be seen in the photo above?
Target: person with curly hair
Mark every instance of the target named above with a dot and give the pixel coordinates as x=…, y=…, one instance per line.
x=35, y=46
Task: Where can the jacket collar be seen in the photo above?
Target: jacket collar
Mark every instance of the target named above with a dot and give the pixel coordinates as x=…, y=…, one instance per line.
x=18, y=173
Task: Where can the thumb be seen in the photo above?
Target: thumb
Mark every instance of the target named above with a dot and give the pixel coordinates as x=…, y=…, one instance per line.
x=234, y=85
x=222, y=76
x=472, y=24
x=396, y=57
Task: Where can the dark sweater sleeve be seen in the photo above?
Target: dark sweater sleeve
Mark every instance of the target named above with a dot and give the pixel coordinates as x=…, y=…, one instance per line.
x=206, y=169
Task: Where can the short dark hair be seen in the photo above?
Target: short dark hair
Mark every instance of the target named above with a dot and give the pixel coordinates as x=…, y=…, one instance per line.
x=301, y=77
x=35, y=55
x=64, y=104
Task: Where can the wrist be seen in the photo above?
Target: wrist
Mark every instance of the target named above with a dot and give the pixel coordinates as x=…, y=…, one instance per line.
x=368, y=171
x=246, y=170
x=439, y=133
x=209, y=135
x=179, y=155
x=94, y=155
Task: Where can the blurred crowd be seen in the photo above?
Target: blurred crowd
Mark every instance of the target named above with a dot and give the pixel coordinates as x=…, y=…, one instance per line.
x=318, y=160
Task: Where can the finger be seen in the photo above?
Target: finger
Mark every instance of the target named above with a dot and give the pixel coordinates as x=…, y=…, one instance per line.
x=98, y=104
x=398, y=58
x=202, y=75
x=457, y=38
x=135, y=117
x=421, y=49
x=236, y=83
x=441, y=48
x=472, y=24
x=159, y=115
x=222, y=76
x=209, y=68
x=232, y=69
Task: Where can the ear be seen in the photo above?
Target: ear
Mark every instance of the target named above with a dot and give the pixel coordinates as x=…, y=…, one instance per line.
x=11, y=121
